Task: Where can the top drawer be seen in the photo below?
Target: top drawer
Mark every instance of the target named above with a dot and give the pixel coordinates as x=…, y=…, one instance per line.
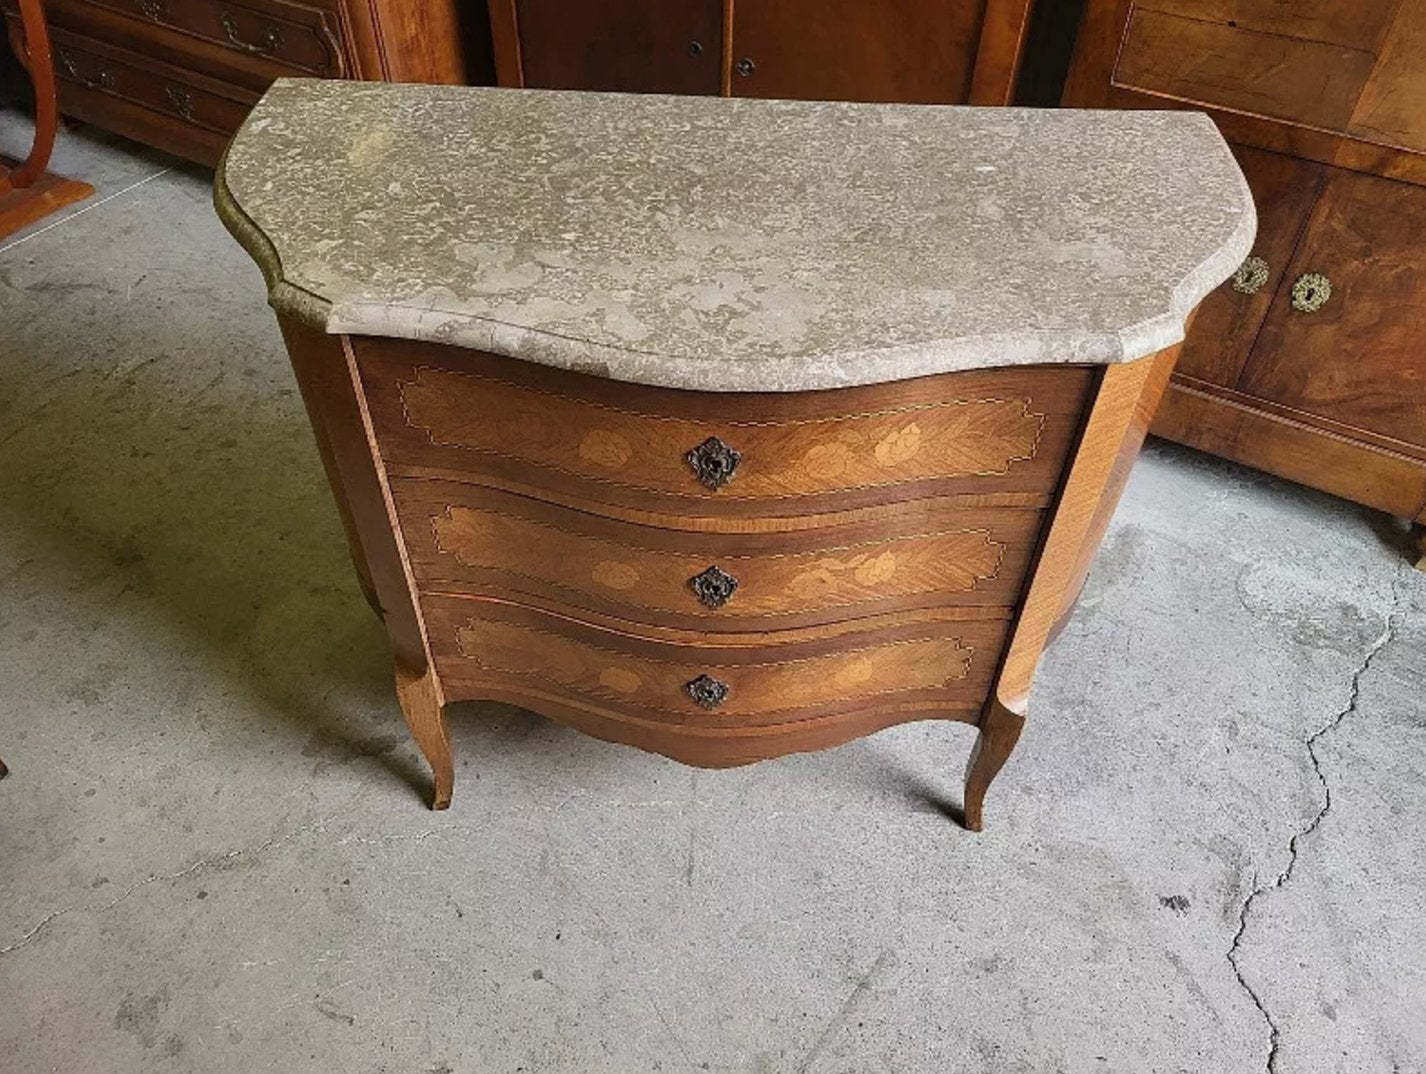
x=283, y=36
x=461, y=415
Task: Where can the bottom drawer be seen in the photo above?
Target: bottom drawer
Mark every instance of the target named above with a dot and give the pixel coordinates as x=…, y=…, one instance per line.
x=492, y=649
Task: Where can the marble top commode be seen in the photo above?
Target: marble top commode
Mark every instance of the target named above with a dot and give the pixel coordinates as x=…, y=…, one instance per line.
x=734, y=245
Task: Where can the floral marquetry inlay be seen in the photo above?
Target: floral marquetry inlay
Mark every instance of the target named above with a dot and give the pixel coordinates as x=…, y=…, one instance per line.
x=691, y=457
x=681, y=579
x=746, y=690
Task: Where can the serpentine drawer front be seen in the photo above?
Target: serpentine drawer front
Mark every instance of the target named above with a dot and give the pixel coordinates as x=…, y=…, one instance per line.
x=932, y=553
x=715, y=428
x=594, y=442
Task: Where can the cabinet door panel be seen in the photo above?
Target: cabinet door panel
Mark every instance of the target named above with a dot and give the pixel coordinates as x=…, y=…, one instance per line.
x=635, y=46
x=1359, y=359
x=1228, y=321
x=917, y=51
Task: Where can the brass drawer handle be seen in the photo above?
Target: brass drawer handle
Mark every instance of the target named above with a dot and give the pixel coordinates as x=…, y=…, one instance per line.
x=713, y=587
x=1251, y=276
x=1311, y=292
x=714, y=462
x=102, y=79
x=265, y=47
x=707, y=691
x=181, y=100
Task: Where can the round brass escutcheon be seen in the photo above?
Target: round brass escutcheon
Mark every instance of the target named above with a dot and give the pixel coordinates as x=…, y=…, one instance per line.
x=1251, y=276
x=1310, y=292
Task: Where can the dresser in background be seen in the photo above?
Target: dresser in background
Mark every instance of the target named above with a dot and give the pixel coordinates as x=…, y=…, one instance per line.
x=914, y=51
x=1309, y=363
x=182, y=74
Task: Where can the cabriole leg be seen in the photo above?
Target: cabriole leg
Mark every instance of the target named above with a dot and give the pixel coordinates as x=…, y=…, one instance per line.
x=999, y=731
x=420, y=699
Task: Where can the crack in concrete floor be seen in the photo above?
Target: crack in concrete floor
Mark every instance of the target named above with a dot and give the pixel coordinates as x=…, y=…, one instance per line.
x=1387, y=636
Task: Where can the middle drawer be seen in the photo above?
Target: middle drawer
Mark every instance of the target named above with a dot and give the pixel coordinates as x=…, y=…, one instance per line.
x=923, y=554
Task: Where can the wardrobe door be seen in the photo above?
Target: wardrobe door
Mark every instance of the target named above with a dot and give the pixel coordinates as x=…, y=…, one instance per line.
x=636, y=46
x=1343, y=340
x=915, y=51
x=1229, y=319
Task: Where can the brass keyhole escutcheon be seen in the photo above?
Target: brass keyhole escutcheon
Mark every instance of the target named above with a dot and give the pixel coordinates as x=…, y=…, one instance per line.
x=1310, y=292
x=714, y=462
x=1251, y=276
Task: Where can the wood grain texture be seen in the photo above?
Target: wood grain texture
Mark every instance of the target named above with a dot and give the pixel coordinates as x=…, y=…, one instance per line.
x=843, y=622
x=182, y=76
x=630, y=46
x=1304, y=81
x=913, y=51
x=1242, y=430
x=480, y=642
x=1228, y=322
x=467, y=539
x=544, y=432
x=928, y=51
x=1332, y=399
x=1365, y=236
x=325, y=375
x=1004, y=31
x=1361, y=25
x=1390, y=107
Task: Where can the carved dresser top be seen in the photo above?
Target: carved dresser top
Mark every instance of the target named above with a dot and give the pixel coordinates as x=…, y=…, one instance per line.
x=733, y=245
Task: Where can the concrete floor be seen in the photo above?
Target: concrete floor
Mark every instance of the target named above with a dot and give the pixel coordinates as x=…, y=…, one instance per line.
x=1207, y=855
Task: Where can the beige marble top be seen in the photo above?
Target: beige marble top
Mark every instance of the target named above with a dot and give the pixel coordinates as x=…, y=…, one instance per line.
x=735, y=245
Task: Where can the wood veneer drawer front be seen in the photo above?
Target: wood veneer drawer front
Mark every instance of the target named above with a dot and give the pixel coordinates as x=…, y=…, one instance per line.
x=100, y=70
x=935, y=554
x=479, y=644
x=294, y=38
x=530, y=427
x=1271, y=67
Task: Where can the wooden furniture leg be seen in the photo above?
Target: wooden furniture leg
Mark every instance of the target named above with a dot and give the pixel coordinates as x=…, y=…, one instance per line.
x=423, y=707
x=999, y=731
x=1421, y=547
x=1118, y=422
x=27, y=191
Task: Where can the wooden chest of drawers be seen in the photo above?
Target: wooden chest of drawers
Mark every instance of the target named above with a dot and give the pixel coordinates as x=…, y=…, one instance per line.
x=604, y=449
x=182, y=74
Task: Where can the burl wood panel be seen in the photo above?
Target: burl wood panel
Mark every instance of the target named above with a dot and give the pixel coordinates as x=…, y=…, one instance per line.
x=935, y=553
x=479, y=643
x=915, y=51
x=1365, y=235
x=1227, y=324
x=445, y=412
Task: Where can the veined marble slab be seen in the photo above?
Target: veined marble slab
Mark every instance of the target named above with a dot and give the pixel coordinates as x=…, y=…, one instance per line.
x=734, y=245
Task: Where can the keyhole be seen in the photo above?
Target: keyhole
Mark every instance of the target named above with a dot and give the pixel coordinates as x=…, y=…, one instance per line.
x=695, y=48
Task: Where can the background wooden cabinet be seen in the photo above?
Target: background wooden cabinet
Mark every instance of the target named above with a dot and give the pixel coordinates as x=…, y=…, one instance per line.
x=929, y=51
x=183, y=74
x=1310, y=363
